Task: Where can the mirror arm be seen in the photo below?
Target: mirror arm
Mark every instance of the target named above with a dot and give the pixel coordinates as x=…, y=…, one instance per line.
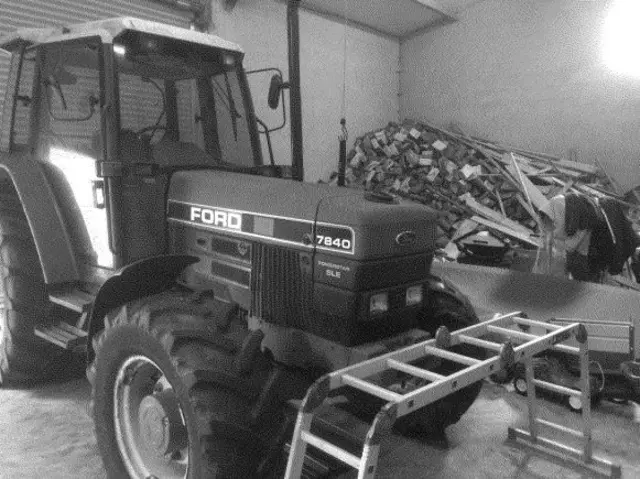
x=266, y=132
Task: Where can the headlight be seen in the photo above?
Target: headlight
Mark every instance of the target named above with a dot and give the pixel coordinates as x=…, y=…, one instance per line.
x=413, y=295
x=379, y=303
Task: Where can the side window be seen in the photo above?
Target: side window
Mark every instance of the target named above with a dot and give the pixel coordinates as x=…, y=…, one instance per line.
x=16, y=130
x=233, y=129
x=70, y=86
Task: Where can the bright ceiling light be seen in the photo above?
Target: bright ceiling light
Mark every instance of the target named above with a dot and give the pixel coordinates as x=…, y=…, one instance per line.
x=622, y=38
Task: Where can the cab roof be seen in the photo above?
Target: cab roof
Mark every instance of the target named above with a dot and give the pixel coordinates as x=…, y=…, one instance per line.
x=108, y=29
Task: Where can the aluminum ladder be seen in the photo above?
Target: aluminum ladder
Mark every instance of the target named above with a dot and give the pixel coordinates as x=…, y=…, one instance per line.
x=513, y=327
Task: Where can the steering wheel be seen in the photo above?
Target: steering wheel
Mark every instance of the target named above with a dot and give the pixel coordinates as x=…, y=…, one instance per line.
x=153, y=129
x=276, y=171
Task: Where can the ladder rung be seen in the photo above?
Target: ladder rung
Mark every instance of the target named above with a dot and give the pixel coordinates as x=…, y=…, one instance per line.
x=332, y=450
x=557, y=388
x=566, y=452
x=567, y=349
x=560, y=427
x=371, y=388
x=531, y=322
x=414, y=371
x=528, y=337
x=444, y=354
x=480, y=342
x=512, y=333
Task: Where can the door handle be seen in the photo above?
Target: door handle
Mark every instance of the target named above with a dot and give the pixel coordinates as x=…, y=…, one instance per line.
x=97, y=186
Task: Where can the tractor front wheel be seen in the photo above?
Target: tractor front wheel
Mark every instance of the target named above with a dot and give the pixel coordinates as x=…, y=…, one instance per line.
x=434, y=418
x=173, y=397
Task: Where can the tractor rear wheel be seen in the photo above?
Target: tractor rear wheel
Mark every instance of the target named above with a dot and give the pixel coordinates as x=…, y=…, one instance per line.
x=433, y=419
x=23, y=356
x=175, y=395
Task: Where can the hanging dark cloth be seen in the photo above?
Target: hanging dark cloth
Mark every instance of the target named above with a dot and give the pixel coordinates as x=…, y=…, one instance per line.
x=618, y=242
x=613, y=240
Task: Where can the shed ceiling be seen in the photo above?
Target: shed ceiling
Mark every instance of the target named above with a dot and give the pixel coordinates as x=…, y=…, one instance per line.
x=397, y=18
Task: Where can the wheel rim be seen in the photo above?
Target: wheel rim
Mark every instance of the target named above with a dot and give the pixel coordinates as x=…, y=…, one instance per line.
x=150, y=428
x=521, y=385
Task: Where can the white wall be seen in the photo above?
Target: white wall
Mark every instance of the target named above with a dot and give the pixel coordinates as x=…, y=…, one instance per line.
x=259, y=26
x=528, y=73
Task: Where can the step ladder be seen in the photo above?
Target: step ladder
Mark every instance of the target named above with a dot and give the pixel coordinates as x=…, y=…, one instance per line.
x=514, y=328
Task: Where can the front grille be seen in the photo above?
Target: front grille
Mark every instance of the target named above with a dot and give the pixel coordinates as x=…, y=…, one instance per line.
x=282, y=292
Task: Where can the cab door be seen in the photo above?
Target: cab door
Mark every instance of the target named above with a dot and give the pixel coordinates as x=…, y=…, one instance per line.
x=69, y=145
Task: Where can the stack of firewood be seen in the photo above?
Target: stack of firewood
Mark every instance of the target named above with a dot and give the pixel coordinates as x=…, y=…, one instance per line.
x=474, y=184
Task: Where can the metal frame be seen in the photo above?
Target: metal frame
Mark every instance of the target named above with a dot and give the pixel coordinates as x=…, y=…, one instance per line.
x=510, y=327
x=534, y=439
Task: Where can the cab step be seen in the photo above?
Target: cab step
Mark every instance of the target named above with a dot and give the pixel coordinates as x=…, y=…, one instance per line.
x=73, y=299
x=62, y=334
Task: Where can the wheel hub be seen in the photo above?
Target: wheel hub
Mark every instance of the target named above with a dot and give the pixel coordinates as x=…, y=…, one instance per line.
x=150, y=427
x=160, y=422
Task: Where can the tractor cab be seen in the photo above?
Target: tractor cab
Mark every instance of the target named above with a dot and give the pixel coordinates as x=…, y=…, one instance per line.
x=112, y=108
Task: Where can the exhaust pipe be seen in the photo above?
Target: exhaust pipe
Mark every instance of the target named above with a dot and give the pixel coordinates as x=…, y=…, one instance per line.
x=295, y=100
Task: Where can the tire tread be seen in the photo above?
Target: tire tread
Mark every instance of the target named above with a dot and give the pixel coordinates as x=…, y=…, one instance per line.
x=222, y=400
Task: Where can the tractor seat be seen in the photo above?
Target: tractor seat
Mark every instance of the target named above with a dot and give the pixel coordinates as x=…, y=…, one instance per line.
x=180, y=153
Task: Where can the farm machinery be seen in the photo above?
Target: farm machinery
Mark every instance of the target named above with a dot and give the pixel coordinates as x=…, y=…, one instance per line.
x=207, y=288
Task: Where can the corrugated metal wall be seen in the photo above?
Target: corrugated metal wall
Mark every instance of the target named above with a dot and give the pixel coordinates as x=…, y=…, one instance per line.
x=17, y=14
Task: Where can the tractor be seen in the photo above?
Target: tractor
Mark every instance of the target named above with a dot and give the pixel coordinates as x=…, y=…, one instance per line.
x=142, y=230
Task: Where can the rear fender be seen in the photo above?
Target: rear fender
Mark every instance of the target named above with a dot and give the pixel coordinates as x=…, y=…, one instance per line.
x=143, y=278
x=50, y=235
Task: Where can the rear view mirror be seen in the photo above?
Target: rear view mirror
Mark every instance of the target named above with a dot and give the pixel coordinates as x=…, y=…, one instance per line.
x=275, y=87
x=276, y=93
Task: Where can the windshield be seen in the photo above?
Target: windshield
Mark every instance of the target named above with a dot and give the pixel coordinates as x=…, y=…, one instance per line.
x=187, y=100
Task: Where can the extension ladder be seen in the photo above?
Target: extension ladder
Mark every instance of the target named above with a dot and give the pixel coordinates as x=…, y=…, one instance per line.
x=513, y=327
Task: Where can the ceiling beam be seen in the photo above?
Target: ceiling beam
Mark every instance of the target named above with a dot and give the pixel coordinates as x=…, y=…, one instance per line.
x=432, y=12
x=352, y=23
x=438, y=8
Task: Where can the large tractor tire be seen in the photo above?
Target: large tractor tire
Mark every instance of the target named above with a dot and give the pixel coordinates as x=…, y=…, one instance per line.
x=175, y=395
x=432, y=420
x=435, y=418
x=23, y=356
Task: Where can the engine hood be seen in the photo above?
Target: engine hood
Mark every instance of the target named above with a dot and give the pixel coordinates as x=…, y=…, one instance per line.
x=284, y=212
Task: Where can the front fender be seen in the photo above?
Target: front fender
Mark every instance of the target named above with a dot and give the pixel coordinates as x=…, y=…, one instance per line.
x=438, y=285
x=136, y=280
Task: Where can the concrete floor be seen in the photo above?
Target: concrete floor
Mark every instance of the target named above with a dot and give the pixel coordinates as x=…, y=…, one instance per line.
x=45, y=432
x=478, y=446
